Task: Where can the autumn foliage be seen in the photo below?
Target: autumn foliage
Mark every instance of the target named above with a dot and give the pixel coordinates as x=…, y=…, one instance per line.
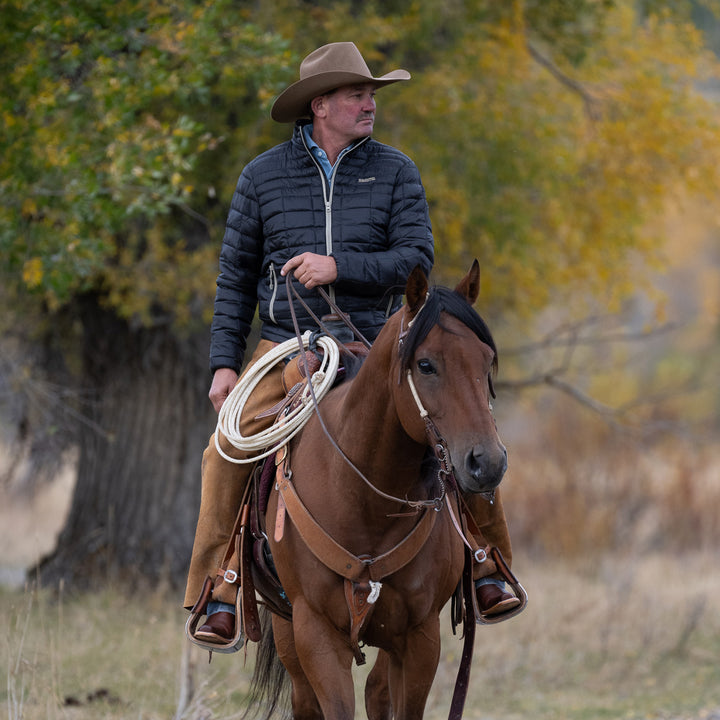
x=546, y=137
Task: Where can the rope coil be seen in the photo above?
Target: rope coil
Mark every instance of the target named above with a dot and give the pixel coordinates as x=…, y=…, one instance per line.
x=266, y=442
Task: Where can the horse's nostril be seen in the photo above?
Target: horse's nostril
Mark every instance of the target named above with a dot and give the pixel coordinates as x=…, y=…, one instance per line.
x=484, y=465
x=475, y=462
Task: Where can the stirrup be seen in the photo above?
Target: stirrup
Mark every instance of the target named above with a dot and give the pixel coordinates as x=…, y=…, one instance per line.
x=199, y=611
x=516, y=587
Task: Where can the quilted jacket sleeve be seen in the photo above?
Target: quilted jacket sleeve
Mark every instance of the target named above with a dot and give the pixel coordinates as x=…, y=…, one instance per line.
x=236, y=295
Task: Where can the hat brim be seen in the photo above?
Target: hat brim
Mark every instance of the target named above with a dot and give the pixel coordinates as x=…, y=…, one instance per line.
x=293, y=103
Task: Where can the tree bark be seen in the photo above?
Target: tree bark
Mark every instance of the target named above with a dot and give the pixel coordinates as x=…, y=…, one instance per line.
x=137, y=494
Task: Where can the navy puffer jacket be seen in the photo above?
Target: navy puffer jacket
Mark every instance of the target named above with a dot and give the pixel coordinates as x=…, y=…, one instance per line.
x=372, y=218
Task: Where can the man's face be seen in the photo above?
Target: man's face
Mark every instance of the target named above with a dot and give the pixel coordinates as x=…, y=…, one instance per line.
x=350, y=111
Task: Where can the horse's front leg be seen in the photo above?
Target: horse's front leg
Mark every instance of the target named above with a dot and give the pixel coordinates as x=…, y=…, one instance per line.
x=305, y=705
x=326, y=658
x=377, y=690
x=412, y=670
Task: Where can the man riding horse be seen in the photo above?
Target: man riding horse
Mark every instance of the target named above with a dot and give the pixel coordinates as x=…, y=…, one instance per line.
x=338, y=210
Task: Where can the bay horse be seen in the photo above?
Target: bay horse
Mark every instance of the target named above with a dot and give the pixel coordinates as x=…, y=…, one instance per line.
x=358, y=470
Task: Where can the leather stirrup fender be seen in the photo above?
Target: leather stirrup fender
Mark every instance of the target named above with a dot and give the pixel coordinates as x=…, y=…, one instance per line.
x=228, y=574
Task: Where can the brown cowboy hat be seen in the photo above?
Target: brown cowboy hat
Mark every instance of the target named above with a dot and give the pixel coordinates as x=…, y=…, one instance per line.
x=329, y=67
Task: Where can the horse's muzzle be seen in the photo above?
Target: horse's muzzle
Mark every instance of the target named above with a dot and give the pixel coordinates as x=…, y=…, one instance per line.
x=484, y=468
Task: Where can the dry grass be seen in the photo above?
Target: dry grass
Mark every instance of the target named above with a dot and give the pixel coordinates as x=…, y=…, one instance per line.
x=620, y=637
x=577, y=488
x=615, y=544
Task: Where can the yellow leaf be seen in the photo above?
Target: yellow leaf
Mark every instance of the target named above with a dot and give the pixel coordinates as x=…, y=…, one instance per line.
x=33, y=272
x=29, y=207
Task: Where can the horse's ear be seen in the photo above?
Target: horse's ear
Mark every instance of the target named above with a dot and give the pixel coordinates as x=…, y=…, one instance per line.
x=416, y=289
x=469, y=286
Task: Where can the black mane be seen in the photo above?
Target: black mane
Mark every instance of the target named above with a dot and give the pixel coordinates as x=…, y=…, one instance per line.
x=442, y=299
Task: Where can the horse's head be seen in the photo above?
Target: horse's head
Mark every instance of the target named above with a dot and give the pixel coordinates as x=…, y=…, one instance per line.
x=448, y=356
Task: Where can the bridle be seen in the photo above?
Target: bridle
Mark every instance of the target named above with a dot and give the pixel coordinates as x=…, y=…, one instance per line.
x=435, y=439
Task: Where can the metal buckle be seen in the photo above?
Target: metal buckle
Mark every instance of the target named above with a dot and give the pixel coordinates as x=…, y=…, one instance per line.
x=230, y=576
x=480, y=556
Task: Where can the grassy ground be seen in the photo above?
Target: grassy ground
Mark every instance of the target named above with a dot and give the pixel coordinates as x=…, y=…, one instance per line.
x=619, y=637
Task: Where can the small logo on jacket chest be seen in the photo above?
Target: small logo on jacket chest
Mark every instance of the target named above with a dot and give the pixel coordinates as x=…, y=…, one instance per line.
x=368, y=179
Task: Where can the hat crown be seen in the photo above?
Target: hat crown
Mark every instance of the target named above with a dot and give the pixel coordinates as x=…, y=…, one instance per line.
x=334, y=57
x=327, y=68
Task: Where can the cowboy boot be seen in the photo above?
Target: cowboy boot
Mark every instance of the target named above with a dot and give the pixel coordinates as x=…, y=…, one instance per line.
x=219, y=627
x=491, y=529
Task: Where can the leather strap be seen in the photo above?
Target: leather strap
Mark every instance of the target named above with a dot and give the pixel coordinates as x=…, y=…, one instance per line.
x=334, y=556
x=205, y=594
x=356, y=596
x=250, y=615
x=462, y=681
x=279, y=520
x=287, y=401
x=502, y=566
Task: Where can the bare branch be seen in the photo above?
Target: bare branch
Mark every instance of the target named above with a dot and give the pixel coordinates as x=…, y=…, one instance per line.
x=638, y=415
x=592, y=104
x=570, y=334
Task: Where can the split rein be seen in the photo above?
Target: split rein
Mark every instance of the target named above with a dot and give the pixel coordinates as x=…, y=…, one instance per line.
x=436, y=440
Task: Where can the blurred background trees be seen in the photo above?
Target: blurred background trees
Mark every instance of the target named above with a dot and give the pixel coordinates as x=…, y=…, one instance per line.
x=558, y=142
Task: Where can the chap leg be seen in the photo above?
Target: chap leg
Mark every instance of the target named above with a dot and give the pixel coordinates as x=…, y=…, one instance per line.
x=491, y=521
x=223, y=486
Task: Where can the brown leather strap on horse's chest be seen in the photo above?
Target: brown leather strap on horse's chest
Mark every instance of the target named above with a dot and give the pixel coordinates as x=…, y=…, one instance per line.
x=360, y=573
x=334, y=556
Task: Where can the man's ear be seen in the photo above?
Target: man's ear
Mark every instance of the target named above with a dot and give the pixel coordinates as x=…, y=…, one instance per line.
x=319, y=106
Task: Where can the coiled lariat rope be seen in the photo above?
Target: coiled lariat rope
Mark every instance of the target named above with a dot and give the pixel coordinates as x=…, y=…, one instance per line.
x=266, y=442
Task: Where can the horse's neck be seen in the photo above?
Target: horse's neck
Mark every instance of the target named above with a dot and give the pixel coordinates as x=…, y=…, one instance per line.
x=368, y=424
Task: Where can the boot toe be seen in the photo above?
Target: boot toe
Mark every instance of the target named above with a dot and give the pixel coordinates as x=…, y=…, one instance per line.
x=492, y=600
x=219, y=627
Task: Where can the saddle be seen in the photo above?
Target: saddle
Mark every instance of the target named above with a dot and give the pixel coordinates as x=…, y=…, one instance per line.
x=247, y=560
x=247, y=563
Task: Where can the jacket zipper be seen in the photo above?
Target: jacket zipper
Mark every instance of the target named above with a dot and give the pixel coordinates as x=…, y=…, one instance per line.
x=327, y=198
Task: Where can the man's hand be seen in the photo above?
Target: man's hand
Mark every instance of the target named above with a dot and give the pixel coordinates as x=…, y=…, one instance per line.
x=311, y=269
x=223, y=382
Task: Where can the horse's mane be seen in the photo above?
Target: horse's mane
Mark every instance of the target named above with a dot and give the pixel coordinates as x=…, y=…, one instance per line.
x=439, y=300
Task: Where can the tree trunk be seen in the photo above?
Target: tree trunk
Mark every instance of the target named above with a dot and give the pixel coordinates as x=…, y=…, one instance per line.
x=137, y=494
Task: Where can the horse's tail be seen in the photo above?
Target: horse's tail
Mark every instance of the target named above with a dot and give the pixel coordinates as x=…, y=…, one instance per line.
x=270, y=684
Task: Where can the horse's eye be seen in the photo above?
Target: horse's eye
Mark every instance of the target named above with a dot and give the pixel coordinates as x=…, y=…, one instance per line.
x=425, y=367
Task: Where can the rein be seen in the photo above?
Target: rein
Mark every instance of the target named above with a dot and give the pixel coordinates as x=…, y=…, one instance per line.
x=439, y=447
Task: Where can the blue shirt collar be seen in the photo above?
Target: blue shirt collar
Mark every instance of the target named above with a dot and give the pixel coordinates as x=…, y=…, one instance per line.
x=319, y=154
